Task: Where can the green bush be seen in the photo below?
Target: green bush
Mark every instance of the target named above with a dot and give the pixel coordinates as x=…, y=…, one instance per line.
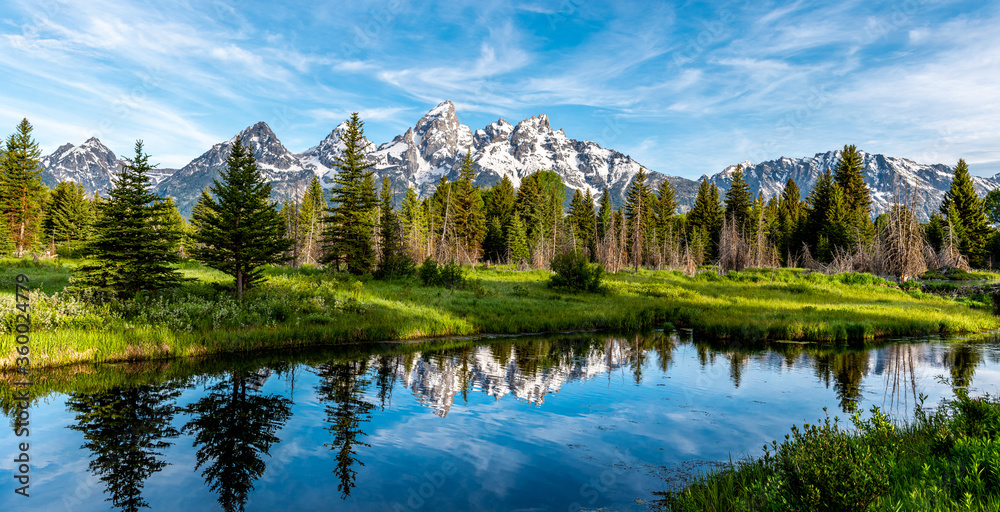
x=449, y=275
x=826, y=469
x=574, y=272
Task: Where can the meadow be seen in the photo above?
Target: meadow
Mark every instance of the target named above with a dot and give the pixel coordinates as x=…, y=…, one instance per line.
x=312, y=307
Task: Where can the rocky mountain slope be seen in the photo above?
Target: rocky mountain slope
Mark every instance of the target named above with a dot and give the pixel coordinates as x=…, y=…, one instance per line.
x=438, y=142
x=887, y=177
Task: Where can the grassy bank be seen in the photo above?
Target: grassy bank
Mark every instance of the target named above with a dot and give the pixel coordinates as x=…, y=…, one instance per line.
x=947, y=460
x=312, y=307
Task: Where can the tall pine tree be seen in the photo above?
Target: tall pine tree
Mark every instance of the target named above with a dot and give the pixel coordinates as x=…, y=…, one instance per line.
x=470, y=219
x=961, y=200
x=704, y=221
x=738, y=199
x=311, y=220
x=849, y=175
x=243, y=231
x=20, y=188
x=349, y=234
x=133, y=243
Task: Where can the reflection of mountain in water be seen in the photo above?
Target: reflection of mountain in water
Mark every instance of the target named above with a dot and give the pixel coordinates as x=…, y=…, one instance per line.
x=527, y=371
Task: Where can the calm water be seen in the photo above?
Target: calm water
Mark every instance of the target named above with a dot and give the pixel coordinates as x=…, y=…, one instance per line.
x=553, y=423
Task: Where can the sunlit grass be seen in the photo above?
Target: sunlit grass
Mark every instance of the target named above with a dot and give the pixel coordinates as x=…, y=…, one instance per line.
x=313, y=307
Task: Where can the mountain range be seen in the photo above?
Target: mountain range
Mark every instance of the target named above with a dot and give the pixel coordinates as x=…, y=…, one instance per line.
x=436, y=145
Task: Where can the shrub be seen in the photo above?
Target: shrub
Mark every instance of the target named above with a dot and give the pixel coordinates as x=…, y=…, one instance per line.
x=827, y=469
x=449, y=275
x=574, y=272
x=428, y=272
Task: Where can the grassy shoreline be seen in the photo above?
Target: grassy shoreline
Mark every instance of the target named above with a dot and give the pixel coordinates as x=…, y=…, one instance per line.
x=309, y=307
x=948, y=459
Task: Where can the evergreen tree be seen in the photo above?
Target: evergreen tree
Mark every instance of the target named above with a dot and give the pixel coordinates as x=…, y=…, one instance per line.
x=971, y=212
x=470, y=219
x=393, y=260
x=499, y=210
x=69, y=216
x=849, y=175
x=517, y=240
x=349, y=234
x=790, y=217
x=244, y=231
x=605, y=212
x=530, y=206
x=704, y=221
x=638, y=212
x=174, y=221
x=581, y=216
x=414, y=225
x=133, y=243
x=20, y=188
x=311, y=220
x=665, y=208
x=738, y=199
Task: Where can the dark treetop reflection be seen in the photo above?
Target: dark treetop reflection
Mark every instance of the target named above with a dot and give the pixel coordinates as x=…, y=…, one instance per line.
x=554, y=423
x=125, y=430
x=233, y=425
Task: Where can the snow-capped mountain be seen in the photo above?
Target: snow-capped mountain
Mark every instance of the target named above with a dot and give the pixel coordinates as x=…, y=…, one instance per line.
x=90, y=164
x=438, y=143
x=286, y=173
x=921, y=185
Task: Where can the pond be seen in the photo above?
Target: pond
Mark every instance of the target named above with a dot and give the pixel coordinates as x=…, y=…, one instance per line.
x=555, y=422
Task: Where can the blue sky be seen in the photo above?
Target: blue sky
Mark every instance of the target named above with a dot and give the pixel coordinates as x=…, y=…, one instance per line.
x=685, y=88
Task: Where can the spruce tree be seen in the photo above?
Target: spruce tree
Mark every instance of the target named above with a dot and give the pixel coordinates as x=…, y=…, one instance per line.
x=20, y=188
x=349, y=234
x=311, y=216
x=69, y=216
x=414, y=222
x=581, y=216
x=605, y=213
x=790, y=217
x=243, y=231
x=849, y=175
x=704, y=221
x=638, y=211
x=470, y=219
x=133, y=243
x=665, y=208
x=499, y=209
x=971, y=212
x=738, y=199
x=393, y=261
x=517, y=241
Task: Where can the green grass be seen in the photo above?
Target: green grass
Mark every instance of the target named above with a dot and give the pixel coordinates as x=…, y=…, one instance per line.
x=311, y=307
x=943, y=461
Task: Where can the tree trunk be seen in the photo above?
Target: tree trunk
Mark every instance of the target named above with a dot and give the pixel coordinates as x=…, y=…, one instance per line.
x=239, y=284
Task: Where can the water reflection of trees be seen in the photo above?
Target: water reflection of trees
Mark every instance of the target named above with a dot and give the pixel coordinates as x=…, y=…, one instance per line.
x=342, y=390
x=234, y=425
x=127, y=430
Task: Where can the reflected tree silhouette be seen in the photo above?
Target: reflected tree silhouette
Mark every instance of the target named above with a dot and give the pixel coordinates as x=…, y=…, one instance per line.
x=233, y=426
x=342, y=389
x=385, y=377
x=961, y=360
x=846, y=370
x=126, y=429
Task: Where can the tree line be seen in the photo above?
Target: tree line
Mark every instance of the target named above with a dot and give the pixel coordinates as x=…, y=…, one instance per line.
x=132, y=237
